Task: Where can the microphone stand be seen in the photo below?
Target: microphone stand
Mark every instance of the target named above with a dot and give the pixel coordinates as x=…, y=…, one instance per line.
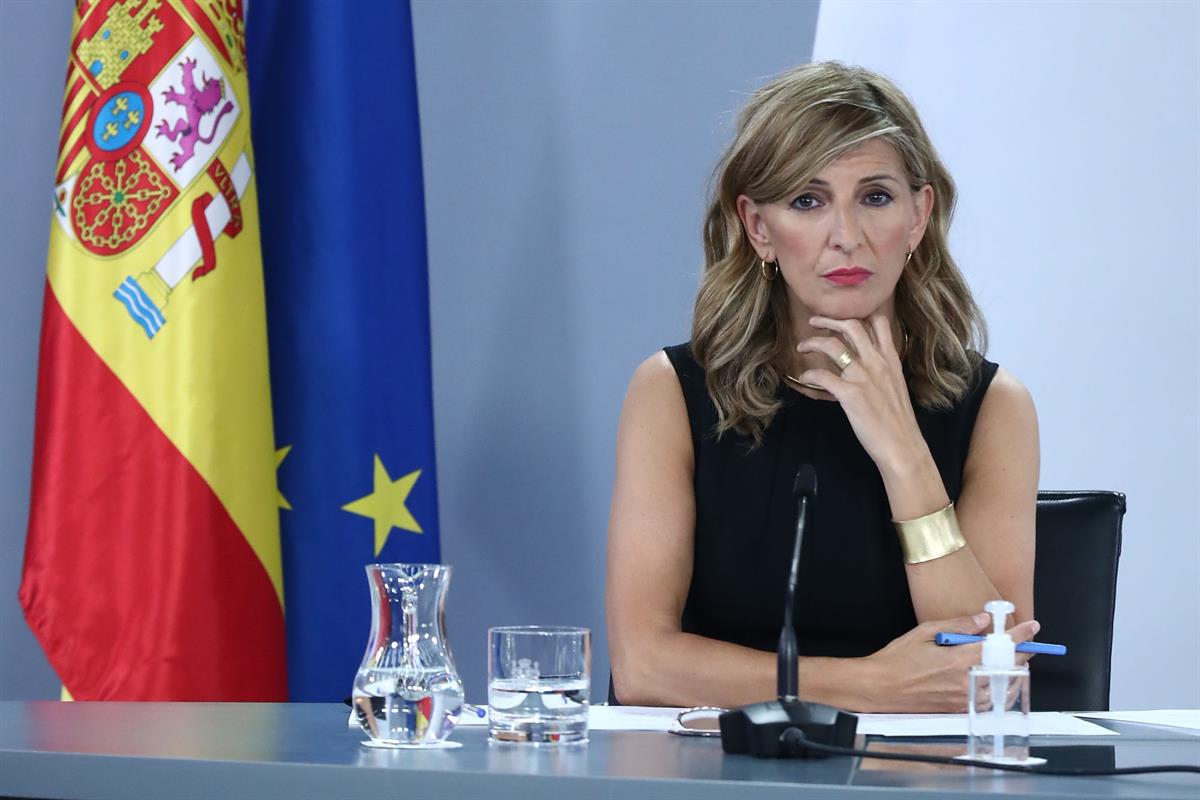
x=758, y=729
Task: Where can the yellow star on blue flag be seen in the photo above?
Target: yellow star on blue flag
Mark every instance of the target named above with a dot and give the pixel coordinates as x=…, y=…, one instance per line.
x=386, y=505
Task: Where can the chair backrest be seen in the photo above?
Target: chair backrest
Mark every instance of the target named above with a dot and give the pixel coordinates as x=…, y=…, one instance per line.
x=1074, y=597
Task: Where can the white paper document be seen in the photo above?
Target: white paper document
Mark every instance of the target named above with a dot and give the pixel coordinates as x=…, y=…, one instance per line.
x=642, y=718
x=1173, y=717
x=612, y=718
x=1041, y=723
x=468, y=718
x=631, y=718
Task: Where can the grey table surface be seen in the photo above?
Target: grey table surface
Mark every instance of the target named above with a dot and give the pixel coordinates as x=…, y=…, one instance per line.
x=251, y=750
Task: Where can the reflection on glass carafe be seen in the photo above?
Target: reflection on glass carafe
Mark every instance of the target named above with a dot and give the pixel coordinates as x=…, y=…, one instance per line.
x=407, y=692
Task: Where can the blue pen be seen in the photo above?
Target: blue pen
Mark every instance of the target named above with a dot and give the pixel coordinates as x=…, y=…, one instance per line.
x=1040, y=648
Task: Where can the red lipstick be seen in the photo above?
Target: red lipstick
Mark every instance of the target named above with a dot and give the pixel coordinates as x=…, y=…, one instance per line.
x=847, y=276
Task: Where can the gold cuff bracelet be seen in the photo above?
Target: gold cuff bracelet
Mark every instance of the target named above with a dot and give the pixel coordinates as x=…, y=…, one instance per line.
x=931, y=536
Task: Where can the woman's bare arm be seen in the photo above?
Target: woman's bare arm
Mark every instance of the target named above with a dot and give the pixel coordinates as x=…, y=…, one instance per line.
x=995, y=512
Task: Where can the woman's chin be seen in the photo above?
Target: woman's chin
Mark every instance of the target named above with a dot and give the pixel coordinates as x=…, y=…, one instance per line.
x=845, y=310
x=858, y=302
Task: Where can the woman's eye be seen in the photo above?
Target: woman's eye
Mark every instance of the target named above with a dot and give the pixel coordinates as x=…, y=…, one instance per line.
x=805, y=202
x=878, y=199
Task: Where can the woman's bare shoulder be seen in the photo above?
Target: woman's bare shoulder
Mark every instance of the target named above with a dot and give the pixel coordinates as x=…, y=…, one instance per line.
x=654, y=375
x=1005, y=437
x=654, y=406
x=1008, y=401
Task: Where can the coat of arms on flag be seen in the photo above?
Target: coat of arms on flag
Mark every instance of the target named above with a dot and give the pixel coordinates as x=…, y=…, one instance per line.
x=149, y=106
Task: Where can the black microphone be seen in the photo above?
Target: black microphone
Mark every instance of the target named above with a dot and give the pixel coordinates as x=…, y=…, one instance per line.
x=758, y=728
x=788, y=667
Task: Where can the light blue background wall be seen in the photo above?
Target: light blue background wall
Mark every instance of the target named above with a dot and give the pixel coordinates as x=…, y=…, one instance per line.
x=567, y=147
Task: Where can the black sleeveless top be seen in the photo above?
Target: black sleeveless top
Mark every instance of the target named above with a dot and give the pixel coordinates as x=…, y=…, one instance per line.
x=852, y=597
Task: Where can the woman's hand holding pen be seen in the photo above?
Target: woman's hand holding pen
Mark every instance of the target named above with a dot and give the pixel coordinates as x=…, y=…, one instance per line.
x=913, y=674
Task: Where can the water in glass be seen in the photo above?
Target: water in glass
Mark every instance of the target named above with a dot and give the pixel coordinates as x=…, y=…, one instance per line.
x=406, y=707
x=538, y=685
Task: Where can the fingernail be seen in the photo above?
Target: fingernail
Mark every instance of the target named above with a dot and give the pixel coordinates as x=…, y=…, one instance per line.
x=1037, y=626
x=982, y=617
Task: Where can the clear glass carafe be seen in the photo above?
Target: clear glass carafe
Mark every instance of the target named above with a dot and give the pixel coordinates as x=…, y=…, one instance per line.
x=407, y=692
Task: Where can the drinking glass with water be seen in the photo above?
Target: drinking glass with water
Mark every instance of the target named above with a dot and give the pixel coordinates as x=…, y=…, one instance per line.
x=539, y=680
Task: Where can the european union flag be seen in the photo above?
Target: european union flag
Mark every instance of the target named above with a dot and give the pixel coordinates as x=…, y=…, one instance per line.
x=336, y=133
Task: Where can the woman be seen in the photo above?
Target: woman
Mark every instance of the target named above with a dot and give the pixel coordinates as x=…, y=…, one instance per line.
x=831, y=328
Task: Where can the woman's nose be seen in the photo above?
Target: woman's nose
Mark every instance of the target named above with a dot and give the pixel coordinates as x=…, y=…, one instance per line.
x=846, y=233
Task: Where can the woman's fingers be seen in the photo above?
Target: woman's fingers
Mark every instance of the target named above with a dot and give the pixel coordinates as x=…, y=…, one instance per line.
x=824, y=380
x=975, y=623
x=867, y=337
x=1025, y=630
x=852, y=330
x=830, y=346
x=882, y=328
x=924, y=677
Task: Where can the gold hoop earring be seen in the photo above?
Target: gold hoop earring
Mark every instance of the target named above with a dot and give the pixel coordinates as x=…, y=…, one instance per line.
x=908, y=258
x=762, y=267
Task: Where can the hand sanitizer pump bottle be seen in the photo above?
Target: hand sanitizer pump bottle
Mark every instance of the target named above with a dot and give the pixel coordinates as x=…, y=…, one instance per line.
x=998, y=698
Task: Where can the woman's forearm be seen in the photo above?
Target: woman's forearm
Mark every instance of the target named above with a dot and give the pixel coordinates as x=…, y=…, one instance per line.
x=849, y=683
x=945, y=587
x=951, y=586
x=683, y=669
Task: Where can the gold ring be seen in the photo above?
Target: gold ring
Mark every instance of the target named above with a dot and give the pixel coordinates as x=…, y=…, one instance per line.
x=844, y=360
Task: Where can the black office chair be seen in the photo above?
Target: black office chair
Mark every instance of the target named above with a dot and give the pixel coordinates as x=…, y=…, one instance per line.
x=1074, y=597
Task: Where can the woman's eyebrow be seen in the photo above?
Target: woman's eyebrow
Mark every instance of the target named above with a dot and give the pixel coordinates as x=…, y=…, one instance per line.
x=882, y=176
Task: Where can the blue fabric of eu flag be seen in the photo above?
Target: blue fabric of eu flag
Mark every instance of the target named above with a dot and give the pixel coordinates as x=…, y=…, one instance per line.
x=336, y=135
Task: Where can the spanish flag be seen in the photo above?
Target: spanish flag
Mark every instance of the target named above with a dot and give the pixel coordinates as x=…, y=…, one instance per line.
x=152, y=565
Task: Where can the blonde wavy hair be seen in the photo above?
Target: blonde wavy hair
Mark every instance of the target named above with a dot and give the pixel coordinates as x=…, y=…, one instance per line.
x=788, y=132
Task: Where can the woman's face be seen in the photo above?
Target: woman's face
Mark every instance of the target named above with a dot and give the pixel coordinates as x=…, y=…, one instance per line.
x=841, y=241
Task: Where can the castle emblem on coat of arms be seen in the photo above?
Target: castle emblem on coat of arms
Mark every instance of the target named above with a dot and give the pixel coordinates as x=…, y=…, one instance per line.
x=123, y=37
